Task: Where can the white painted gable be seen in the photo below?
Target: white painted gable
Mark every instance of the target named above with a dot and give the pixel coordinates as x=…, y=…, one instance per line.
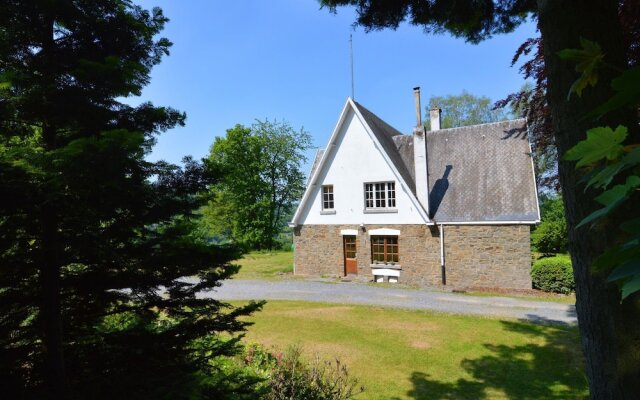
x=352, y=158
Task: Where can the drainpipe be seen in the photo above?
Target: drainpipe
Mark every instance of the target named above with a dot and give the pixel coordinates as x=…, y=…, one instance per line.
x=442, y=269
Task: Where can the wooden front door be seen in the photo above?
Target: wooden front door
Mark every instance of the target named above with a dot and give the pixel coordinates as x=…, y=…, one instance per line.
x=350, y=262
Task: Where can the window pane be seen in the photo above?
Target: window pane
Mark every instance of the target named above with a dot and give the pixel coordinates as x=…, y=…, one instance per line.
x=350, y=246
x=377, y=248
x=391, y=194
x=380, y=195
x=368, y=195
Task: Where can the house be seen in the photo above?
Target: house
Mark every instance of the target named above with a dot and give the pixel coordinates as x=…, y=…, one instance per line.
x=448, y=207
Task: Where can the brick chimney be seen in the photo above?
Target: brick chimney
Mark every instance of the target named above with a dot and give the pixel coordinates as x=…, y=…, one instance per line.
x=420, y=154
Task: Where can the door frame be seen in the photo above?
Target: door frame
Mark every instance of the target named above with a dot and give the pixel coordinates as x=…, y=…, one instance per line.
x=344, y=253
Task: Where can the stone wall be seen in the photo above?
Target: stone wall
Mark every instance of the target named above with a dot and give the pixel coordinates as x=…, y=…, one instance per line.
x=476, y=256
x=488, y=256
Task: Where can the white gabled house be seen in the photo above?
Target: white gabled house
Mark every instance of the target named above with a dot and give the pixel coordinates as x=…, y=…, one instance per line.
x=445, y=207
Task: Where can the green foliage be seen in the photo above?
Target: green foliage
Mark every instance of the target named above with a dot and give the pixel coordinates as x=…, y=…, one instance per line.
x=258, y=373
x=627, y=91
x=587, y=60
x=602, y=143
x=551, y=236
x=95, y=241
x=473, y=21
x=465, y=109
x=292, y=377
x=611, y=159
x=553, y=274
x=262, y=178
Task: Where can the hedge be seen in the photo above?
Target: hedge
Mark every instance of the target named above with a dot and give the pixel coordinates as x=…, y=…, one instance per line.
x=553, y=274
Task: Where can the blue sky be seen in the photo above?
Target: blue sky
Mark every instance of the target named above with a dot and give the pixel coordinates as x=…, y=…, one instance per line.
x=236, y=61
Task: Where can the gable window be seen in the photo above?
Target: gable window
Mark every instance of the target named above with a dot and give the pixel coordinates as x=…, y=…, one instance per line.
x=380, y=195
x=384, y=249
x=327, y=197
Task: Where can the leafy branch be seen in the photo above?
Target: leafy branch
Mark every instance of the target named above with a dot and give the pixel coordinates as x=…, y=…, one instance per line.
x=610, y=158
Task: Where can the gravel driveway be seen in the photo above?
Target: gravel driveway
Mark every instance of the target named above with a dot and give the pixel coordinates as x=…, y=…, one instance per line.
x=418, y=299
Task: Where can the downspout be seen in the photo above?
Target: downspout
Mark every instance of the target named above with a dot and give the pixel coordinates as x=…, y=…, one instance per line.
x=442, y=269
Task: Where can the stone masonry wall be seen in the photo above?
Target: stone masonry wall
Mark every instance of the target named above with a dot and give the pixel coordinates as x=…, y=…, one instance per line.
x=489, y=256
x=495, y=256
x=318, y=251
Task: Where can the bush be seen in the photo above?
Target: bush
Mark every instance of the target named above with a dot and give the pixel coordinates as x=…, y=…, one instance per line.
x=550, y=236
x=293, y=378
x=553, y=274
x=288, y=376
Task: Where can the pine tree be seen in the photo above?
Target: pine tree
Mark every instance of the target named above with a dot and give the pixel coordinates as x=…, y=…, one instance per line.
x=94, y=239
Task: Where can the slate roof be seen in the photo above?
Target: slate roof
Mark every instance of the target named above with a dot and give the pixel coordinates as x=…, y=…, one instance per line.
x=478, y=173
x=482, y=173
x=316, y=161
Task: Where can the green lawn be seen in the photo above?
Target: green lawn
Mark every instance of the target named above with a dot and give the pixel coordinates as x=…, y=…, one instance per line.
x=265, y=265
x=399, y=354
x=552, y=297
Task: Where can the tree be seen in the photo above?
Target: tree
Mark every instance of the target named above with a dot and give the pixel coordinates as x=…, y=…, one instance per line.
x=465, y=109
x=89, y=230
x=262, y=178
x=608, y=327
x=531, y=103
x=550, y=236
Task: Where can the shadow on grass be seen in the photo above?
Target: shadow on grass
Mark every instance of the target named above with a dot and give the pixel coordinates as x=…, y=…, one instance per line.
x=550, y=368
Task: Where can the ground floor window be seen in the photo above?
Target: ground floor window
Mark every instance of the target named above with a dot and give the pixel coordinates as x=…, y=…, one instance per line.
x=384, y=249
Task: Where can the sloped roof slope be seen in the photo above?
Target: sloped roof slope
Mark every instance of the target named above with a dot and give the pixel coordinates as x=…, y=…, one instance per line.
x=482, y=173
x=316, y=161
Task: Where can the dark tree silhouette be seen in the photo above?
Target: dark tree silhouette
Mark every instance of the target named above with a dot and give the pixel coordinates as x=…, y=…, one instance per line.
x=93, y=238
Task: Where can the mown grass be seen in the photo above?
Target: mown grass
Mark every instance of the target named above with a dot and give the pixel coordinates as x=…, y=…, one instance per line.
x=400, y=354
x=550, y=297
x=265, y=265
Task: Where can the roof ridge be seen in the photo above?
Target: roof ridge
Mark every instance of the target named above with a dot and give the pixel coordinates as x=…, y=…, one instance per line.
x=517, y=120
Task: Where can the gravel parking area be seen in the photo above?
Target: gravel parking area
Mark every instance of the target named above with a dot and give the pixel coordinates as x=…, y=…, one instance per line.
x=418, y=299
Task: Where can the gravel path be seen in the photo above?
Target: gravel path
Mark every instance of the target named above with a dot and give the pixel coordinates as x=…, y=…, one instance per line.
x=419, y=299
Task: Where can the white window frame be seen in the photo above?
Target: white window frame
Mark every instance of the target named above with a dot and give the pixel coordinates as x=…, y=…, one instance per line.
x=327, y=198
x=380, y=195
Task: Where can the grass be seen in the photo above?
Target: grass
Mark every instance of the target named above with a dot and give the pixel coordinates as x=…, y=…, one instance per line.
x=551, y=297
x=265, y=265
x=401, y=354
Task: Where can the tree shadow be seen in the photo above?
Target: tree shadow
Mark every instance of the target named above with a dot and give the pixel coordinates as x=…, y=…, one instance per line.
x=550, y=366
x=515, y=133
x=438, y=191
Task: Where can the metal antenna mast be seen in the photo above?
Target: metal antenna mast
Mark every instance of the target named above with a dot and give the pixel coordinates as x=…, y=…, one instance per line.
x=353, y=96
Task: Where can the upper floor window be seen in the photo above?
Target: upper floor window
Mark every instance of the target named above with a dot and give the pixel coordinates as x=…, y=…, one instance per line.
x=380, y=195
x=327, y=197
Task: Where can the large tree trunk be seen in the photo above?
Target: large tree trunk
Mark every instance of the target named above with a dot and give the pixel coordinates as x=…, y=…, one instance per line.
x=50, y=269
x=610, y=329
x=50, y=310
